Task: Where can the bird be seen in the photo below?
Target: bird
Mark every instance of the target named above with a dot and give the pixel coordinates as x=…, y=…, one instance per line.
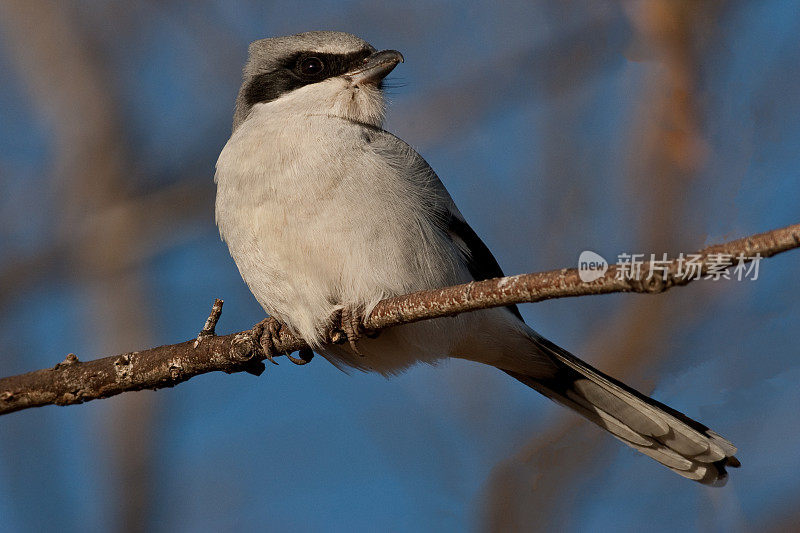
x=325, y=213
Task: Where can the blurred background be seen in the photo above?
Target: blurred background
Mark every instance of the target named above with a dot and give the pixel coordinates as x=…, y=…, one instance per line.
x=558, y=126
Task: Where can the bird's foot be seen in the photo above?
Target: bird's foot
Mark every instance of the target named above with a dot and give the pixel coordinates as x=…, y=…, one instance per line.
x=347, y=324
x=272, y=328
x=267, y=334
x=306, y=355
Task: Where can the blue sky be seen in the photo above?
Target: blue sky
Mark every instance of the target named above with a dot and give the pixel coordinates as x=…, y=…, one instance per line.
x=537, y=117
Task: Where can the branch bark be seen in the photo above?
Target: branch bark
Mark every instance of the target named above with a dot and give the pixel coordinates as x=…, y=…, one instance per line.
x=73, y=381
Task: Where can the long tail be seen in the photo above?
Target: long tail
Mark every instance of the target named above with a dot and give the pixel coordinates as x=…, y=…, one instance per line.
x=673, y=439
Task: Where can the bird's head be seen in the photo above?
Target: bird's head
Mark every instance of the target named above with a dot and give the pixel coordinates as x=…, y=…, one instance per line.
x=316, y=73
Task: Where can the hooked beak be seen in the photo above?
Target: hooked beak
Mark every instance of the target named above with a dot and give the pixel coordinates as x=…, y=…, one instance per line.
x=375, y=67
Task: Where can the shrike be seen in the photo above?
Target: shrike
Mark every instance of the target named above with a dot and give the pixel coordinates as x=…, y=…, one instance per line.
x=325, y=213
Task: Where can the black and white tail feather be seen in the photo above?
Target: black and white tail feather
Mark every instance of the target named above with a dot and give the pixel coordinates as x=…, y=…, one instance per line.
x=683, y=445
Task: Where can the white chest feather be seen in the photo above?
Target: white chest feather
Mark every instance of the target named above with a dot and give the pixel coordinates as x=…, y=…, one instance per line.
x=321, y=212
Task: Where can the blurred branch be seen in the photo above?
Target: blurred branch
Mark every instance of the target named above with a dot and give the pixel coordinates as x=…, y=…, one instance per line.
x=179, y=205
x=73, y=381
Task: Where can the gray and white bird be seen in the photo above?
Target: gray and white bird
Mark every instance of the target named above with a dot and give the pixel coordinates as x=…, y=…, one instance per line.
x=325, y=211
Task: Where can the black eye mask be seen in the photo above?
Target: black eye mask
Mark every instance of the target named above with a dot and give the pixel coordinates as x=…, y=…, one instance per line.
x=299, y=69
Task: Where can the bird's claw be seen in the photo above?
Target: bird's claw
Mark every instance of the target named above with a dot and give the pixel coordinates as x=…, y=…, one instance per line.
x=347, y=324
x=272, y=328
x=306, y=355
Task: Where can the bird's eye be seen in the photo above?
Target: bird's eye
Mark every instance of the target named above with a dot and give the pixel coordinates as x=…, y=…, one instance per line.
x=311, y=66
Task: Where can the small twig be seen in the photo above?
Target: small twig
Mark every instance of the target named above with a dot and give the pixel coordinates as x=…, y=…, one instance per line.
x=73, y=381
x=209, y=329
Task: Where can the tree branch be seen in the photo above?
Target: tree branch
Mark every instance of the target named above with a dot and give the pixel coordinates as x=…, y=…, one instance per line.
x=73, y=381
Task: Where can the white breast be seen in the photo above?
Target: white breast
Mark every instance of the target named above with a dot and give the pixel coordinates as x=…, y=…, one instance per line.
x=320, y=212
